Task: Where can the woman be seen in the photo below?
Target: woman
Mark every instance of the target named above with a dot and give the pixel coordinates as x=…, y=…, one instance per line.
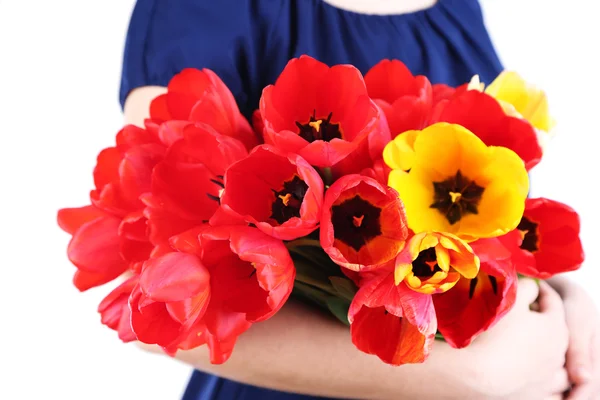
x=247, y=43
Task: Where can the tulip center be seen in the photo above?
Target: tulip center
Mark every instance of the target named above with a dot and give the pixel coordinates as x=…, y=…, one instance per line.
x=319, y=129
x=456, y=196
x=529, y=230
x=219, y=182
x=355, y=222
x=425, y=266
x=287, y=201
x=475, y=281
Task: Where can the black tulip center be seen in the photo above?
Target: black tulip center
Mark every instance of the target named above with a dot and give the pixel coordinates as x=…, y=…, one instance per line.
x=319, y=129
x=530, y=235
x=288, y=200
x=425, y=266
x=456, y=197
x=355, y=222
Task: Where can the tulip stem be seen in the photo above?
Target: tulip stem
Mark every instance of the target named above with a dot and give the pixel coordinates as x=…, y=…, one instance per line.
x=294, y=244
x=327, y=176
x=306, y=280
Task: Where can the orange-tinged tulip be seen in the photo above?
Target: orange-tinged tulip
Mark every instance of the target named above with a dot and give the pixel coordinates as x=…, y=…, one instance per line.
x=529, y=101
x=459, y=185
x=391, y=321
x=363, y=224
x=433, y=262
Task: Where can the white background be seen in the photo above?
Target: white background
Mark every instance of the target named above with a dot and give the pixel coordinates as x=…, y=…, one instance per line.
x=60, y=62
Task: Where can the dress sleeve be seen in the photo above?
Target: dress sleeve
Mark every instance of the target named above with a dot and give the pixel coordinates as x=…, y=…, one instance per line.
x=229, y=37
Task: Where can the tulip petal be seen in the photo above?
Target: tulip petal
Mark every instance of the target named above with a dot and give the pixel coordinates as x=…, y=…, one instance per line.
x=114, y=309
x=392, y=322
x=559, y=247
x=151, y=321
x=473, y=306
x=84, y=280
x=252, y=273
x=484, y=116
x=272, y=176
x=95, y=248
x=393, y=339
x=174, y=277
x=71, y=219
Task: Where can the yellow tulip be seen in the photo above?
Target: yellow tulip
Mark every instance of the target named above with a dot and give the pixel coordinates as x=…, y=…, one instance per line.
x=459, y=185
x=433, y=262
x=528, y=101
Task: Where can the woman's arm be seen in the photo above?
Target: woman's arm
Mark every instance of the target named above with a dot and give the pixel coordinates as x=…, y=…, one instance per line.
x=302, y=351
x=137, y=105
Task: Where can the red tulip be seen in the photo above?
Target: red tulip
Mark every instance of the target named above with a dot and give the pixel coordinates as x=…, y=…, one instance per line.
x=406, y=99
x=115, y=309
x=363, y=223
x=187, y=185
x=201, y=96
x=252, y=275
x=379, y=171
x=173, y=293
x=483, y=115
x=321, y=113
x=550, y=239
x=474, y=305
x=111, y=235
x=95, y=250
x=392, y=322
x=279, y=193
x=441, y=91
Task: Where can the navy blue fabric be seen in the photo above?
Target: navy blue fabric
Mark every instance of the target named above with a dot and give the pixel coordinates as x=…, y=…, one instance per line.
x=248, y=43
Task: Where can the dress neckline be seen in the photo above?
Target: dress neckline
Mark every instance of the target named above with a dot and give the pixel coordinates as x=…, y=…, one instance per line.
x=337, y=6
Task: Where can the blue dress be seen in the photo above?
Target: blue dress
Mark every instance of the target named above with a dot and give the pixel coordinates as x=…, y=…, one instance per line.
x=248, y=43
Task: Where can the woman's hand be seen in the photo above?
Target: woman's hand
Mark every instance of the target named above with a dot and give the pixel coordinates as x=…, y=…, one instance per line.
x=524, y=354
x=583, y=355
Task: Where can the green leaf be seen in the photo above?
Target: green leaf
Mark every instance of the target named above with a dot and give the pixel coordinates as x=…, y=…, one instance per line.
x=344, y=286
x=439, y=336
x=308, y=275
x=339, y=308
x=311, y=271
x=317, y=296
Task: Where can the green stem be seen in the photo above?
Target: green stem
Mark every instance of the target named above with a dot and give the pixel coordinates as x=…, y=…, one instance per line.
x=307, y=280
x=327, y=176
x=303, y=242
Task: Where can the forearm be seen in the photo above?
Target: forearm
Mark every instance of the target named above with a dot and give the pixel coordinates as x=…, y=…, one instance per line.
x=301, y=351
x=137, y=105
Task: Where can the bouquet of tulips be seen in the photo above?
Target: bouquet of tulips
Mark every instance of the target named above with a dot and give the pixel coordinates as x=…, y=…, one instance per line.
x=398, y=206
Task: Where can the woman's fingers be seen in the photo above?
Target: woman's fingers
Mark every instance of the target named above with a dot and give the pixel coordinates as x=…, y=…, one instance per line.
x=579, y=354
x=527, y=293
x=560, y=382
x=550, y=300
